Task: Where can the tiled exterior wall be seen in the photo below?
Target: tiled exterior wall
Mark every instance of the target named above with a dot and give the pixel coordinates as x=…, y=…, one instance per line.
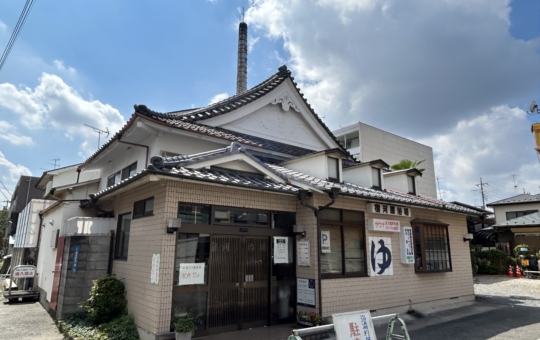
x=151, y=304
x=350, y=294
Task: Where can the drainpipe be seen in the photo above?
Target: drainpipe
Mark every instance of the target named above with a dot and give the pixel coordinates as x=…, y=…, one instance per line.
x=135, y=144
x=302, y=195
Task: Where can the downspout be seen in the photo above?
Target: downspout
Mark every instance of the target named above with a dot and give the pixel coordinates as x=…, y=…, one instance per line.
x=302, y=195
x=135, y=144
x=78, y=175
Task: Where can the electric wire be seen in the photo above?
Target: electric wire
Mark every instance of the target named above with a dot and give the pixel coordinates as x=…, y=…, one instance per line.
x=20, y=23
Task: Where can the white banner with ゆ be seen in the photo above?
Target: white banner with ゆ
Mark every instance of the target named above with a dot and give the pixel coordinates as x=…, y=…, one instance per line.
x=381, y=256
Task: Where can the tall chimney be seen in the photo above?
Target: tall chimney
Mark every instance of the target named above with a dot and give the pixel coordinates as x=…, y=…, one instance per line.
x=241, y=73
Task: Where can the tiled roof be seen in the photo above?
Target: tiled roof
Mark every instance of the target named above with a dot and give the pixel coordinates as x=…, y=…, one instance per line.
x=522, y=198
x=176, y=166
x=237, y=137
x=351, y=189
x=527, y=220
x=237, y=101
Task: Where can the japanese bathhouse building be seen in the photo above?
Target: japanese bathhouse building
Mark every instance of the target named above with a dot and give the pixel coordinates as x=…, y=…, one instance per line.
x=249, y=210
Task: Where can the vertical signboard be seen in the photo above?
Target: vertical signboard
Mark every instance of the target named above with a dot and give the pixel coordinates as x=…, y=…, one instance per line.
x=406, y=245
x=281, y=249
x=76, y=250
x=303, y=253
x=154, y=273
x=305, y=292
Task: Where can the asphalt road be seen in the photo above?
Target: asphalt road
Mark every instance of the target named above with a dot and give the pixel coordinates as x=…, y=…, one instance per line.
x=26, y=320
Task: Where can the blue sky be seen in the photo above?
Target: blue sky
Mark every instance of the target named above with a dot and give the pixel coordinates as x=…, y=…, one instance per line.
x=455, y=75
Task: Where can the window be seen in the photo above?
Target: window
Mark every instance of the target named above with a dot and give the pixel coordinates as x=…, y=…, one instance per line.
x=121, y=175
x=143, y=208
x=194, y=214
x=192, y=248
x=233, y=216
x=344, y=254
x=129, y=171
x=431, y=248
x=352, y=143
x=514, y=214
x=411, y=185
x=333, y=169
x=376, y=178
x=122, y=236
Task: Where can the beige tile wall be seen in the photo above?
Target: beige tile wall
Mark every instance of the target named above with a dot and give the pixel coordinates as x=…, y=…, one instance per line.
x=151, y=304
x=350, y=294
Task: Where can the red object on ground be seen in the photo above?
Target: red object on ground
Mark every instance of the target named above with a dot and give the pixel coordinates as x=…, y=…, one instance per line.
x=518, y=272
x=510, y=271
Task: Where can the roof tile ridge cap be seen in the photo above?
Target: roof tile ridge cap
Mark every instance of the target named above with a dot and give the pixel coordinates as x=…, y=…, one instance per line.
x=145, y=111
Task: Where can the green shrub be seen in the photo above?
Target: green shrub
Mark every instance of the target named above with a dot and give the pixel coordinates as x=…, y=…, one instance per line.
x=106, y=300
x=492, y=262
x=78, y=326
x=121, y=328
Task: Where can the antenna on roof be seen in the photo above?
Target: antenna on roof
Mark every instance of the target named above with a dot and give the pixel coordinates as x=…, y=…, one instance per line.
x=55, y=161
x=534, y=108
x=243, y=12
x=106, y=131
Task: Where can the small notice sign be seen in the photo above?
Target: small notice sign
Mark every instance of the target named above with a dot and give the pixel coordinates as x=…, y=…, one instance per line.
x=154, y=273
x=406, y=245
x=76, y=251
x=354, y=326
x=281, y=249
x=191, y=274
x=325, y=241
x=303, y=254
x=23, y=272
x=305, y=292
x=377, y=224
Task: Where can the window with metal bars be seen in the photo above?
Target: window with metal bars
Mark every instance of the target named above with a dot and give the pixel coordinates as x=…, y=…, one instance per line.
x=431, y=247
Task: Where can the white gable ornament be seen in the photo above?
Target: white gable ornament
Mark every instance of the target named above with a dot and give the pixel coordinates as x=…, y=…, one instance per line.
x=286, y=103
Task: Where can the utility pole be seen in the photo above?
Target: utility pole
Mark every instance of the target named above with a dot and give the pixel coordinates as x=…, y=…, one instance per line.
x=481, y=185
x=439, y=186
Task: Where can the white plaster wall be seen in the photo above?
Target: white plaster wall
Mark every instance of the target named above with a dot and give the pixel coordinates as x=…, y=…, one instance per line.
x=359, y=175
x=127, y=157
x=379, y=144
x=47, y=255
x=501, y=210
x=272, y=122
x=397, y=182
x=82, y=192
x=184, y=145
x=316, y=166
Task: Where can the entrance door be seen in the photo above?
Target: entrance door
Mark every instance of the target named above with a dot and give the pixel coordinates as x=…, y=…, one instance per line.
x=239, y=279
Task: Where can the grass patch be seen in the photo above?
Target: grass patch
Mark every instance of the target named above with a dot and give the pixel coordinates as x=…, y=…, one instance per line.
x=79, y=327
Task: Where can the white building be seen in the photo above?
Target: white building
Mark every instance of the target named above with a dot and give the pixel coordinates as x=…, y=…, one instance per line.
x=367, y=143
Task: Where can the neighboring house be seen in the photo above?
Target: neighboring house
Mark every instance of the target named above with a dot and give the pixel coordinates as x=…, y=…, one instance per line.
x=210, y=206
x=510, y=213
x=24, y=192
x=62, y=221
x=368, y=143
x=480, y=226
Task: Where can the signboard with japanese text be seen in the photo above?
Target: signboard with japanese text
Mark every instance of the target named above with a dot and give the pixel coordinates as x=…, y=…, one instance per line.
x=354, y=326
x=76, y=251
x=305, y=292
x=281, y=249
x=154, y=273
x=303, y=253
x=325, y=241
x=381, y=256
x=377, y=224
x=191, y=274
x=406, y=245
x=23, y=272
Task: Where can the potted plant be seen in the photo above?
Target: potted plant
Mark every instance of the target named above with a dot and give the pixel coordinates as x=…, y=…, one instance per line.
x=308, y=319
x=185, y=326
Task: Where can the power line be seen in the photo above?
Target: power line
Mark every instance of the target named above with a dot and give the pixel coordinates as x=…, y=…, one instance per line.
x=16, y=31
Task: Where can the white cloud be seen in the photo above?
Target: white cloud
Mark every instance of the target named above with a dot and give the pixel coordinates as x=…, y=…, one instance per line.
x=55, y=105
x=494, y=145
x=3, y=27
x=219, y=97
x=10, y=134
x=410, y=66
x=251, y=43
x=60, y=66
x=9, y=175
